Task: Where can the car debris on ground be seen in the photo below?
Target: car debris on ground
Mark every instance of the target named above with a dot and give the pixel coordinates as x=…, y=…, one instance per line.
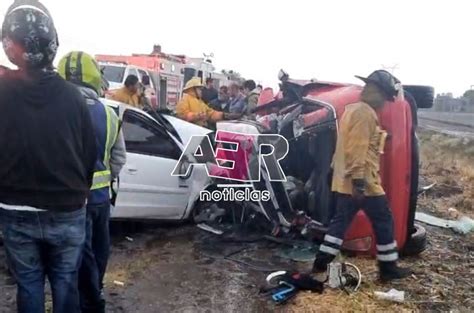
x=463, y=225
x=391, y=295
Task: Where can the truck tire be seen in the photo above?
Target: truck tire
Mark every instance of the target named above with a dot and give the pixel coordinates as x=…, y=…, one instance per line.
x=424, y=95
x=416, y=243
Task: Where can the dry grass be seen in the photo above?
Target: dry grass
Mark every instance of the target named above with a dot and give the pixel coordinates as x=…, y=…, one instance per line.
x=450, y=163
x=362, y=301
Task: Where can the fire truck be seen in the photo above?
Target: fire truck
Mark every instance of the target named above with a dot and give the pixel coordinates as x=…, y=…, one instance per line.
x=168, y=73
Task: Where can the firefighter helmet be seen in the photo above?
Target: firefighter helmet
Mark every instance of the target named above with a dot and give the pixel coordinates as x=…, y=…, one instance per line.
x=194, y=82
x=388, y=83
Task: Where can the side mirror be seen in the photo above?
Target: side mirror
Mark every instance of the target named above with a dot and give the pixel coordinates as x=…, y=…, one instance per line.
x=283, y=76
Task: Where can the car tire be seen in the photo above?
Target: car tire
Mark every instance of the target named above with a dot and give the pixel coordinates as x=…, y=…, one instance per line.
x=424, y=95
x=416, y=243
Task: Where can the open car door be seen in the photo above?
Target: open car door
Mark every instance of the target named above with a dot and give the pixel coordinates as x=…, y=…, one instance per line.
x=147, y=188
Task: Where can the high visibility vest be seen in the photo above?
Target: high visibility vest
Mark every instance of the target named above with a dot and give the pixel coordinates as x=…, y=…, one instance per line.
x=106, y=124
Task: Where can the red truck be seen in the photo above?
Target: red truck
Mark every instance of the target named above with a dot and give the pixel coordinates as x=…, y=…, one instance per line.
x=307, y=114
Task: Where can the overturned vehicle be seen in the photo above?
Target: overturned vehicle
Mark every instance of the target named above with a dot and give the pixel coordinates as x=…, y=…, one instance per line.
x=306, y=114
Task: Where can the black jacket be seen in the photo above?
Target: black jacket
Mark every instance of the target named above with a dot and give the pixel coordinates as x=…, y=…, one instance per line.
x=209, y=94
x=48, y=146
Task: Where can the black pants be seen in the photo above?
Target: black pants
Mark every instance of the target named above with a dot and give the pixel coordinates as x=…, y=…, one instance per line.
x=95, y=257
x=380, y=216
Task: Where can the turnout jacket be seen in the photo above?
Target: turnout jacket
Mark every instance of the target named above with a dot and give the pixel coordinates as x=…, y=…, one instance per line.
x=359, y=145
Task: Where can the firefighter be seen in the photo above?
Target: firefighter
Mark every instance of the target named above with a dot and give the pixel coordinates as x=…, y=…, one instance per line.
x=129, y=93
x=356, y=180
x=192, y=109
x=81, y=69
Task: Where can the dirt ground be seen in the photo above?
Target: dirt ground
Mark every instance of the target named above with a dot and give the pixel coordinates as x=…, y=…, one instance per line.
x=181, y=269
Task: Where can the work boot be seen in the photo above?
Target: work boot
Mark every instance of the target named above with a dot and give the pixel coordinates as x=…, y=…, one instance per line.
x=390, y=271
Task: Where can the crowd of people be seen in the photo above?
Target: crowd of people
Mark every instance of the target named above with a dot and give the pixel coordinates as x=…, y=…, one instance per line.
x=62, y=149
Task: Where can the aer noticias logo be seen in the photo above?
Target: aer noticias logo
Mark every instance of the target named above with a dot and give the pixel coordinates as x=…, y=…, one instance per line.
x=244, y=164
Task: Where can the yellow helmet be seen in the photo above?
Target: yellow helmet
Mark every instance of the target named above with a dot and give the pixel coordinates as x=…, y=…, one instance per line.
x=194, y=82
x=81, y=68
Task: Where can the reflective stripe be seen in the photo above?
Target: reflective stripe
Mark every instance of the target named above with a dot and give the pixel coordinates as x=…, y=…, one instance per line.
x=388, y=257
x=107, y=142
x=112, y=134
x=328, y=250
x=101, y=179
x=333, y=240
x=387, y=247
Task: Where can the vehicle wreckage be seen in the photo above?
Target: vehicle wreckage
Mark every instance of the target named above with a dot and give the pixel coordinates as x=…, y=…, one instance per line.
x=306, y=114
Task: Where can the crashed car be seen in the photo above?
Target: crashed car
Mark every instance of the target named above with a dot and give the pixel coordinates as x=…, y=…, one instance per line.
x=307, y=113
x=155, y=142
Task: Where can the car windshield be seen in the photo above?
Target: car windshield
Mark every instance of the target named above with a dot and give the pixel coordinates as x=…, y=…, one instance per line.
x=113, y=73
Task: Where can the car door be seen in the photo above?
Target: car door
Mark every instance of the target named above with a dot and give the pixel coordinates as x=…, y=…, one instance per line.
x=147, y=189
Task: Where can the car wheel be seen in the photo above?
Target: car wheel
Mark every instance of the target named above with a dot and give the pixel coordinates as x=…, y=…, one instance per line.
x=416, y=243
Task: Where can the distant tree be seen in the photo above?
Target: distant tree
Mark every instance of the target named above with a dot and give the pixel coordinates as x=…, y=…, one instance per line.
x=468, y=98
x=233, y=75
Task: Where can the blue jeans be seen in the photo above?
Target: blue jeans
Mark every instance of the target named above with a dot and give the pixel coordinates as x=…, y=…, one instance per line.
x=40, y=245
x=95, y=258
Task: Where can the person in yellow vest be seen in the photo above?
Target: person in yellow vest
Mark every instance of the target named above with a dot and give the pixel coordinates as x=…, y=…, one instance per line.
x=82, y=70
x=193, y=109
x=129, y=93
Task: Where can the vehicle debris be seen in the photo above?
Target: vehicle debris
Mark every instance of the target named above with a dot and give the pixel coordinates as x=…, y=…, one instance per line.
x=463, y=225
x=285, y=285
x=392, y=295
x=339, y=276
x=210, y=229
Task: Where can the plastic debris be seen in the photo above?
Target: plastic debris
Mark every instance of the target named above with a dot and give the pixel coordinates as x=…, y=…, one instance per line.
x=129, y=239
x=463, y=226
x=119, y=283
x=392, y=295
x=453, y=213
x=210, y=229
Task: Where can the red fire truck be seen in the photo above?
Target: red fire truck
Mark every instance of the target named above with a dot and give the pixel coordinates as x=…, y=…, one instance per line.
x=166, y=73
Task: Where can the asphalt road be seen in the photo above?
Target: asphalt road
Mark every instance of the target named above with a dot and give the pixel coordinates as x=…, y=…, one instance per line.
x=453, y=124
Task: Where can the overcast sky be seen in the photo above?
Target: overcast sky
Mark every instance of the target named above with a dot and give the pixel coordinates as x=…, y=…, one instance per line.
x=431, y=42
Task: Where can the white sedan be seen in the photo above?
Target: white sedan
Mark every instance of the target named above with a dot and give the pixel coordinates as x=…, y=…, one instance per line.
x=147, y=190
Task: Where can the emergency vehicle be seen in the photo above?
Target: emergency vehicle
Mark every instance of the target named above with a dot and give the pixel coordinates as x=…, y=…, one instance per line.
x=165, y=71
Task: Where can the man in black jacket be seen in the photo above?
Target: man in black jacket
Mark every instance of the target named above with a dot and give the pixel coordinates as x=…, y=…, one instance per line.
x=209, y=93
x=47, y=157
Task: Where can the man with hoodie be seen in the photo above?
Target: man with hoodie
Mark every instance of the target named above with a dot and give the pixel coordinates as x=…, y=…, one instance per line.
x=356, y=179
x=46, y=163
x=81, y=69
x=193, y=109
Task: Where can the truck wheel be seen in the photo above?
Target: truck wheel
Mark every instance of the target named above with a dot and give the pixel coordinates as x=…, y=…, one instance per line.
x=416, y=243
x=424, y=95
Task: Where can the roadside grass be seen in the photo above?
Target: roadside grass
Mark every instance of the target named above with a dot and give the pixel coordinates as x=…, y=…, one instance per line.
x=448, y=162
